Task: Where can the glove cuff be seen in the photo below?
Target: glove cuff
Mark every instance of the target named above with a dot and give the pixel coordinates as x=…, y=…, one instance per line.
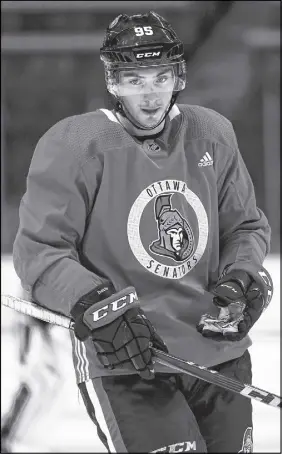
x=240, y=277
x=95, y=295
x=106, y=311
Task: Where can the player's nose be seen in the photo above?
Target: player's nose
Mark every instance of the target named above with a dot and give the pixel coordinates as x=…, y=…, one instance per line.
x=151, y=99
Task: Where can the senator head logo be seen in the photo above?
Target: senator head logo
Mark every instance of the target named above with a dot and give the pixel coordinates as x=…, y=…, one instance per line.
x=175, y=245
x=175, y=236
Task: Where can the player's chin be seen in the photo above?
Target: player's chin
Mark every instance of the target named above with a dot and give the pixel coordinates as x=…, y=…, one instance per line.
x=151, y=118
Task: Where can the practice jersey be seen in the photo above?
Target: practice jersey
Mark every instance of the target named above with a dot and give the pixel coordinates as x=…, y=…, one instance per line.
x=165, y=215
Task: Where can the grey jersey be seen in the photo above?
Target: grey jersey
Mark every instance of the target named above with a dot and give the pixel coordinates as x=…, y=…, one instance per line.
x=165, y=216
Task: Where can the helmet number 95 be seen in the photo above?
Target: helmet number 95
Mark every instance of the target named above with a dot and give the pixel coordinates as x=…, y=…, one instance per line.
x=140, y=31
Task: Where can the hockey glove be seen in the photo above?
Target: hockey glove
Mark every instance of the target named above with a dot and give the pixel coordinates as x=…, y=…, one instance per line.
x=120, y=331
x=241, y=299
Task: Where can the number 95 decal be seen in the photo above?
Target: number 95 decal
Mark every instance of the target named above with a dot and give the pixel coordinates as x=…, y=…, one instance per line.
x=140, y=31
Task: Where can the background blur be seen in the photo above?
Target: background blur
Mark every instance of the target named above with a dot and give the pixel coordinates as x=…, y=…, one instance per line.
x=51, y=70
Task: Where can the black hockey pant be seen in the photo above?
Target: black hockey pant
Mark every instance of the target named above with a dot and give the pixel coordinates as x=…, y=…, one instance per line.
x=172, y=413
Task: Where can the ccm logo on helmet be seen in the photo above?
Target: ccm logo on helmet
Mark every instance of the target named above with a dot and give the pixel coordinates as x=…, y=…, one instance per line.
x=153, y=54
x=114, y=306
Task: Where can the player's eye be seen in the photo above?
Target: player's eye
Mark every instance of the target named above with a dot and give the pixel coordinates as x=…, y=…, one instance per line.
x=135, y=81
x=162, y=79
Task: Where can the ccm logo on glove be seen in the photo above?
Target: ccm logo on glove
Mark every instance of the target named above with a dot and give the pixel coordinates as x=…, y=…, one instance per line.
x=118, y=302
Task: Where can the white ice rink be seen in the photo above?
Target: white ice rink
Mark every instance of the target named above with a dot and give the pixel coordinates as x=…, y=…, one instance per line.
x=66, y=427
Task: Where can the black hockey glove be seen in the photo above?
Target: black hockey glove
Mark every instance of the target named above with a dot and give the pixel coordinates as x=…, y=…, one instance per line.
x=241, y=299
x=120, y=331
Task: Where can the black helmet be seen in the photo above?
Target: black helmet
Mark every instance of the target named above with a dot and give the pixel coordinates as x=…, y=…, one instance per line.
x=141, y=40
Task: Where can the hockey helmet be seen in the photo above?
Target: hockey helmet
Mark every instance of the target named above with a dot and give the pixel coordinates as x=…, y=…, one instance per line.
x=141, y=41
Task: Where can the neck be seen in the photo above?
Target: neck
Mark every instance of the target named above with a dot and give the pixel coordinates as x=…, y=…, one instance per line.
x=134, y=131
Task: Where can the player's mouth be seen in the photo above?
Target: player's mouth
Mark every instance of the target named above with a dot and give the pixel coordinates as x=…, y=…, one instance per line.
x=148, y=111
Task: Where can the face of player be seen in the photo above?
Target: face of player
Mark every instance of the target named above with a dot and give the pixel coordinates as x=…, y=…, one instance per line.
x=146, y=93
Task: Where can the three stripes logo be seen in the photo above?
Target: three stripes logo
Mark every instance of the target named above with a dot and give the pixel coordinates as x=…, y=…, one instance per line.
x=206, y=160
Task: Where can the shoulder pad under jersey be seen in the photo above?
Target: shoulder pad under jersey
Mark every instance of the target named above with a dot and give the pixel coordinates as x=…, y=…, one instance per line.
x=96, y=131
x=202, y=122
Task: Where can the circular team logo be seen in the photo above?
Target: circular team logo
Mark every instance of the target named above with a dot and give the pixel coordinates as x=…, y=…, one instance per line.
x=174, y=251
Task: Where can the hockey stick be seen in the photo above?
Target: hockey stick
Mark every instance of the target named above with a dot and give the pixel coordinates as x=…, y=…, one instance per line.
x=176, y=364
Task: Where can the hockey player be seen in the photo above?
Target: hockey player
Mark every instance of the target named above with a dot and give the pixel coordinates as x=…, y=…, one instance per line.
x=141, y=223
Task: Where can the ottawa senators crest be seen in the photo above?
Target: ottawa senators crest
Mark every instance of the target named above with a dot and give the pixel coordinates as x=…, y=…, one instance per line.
x=176, y=239
x=168, y=229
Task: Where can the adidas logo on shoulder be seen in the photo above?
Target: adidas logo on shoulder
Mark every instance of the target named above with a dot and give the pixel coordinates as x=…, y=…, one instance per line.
x=206, y=160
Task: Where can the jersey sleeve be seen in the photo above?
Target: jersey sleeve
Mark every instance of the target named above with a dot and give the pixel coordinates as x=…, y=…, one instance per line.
x=244, y=230
x=52, y=215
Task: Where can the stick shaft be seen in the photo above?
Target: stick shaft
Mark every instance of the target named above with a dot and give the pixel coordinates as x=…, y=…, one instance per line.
x=34, y=310
x=176, y=364
x=214, y=377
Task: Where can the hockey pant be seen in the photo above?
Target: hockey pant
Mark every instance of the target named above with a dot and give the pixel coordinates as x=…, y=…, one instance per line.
x=172, y=413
